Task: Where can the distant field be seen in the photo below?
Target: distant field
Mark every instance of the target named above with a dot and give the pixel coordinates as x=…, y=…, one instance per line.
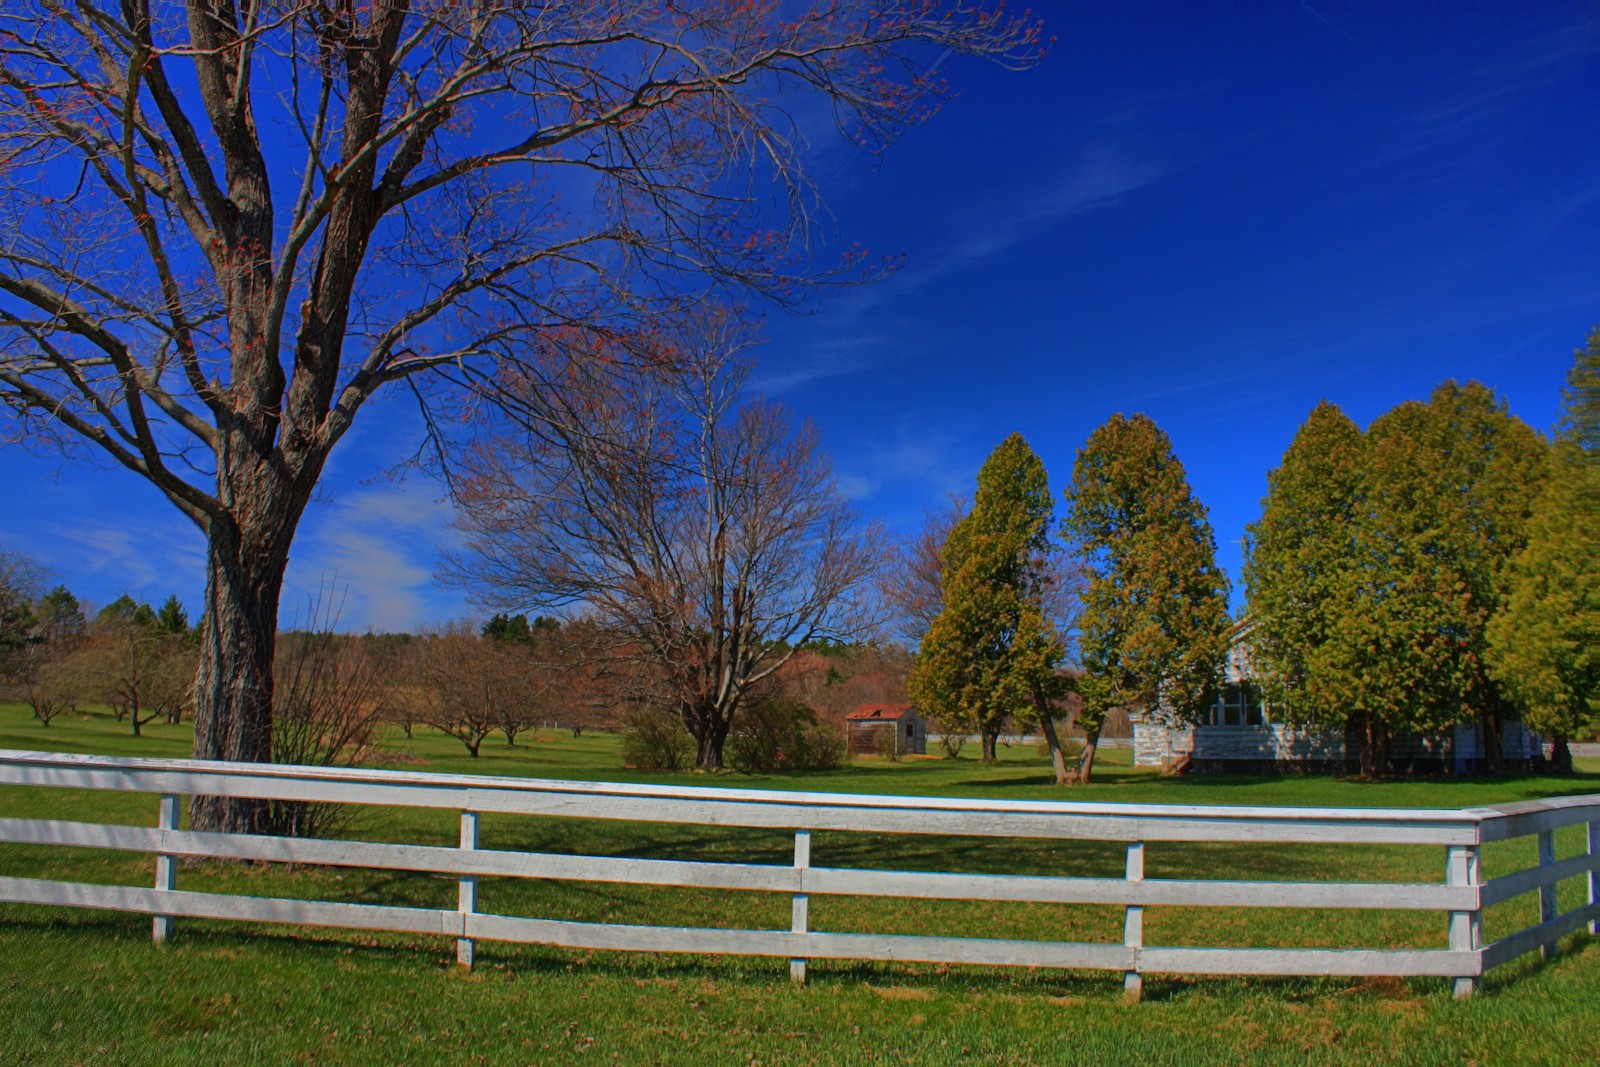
x=78, y=986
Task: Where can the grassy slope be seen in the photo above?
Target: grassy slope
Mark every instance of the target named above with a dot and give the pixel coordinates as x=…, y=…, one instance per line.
x=80, y=985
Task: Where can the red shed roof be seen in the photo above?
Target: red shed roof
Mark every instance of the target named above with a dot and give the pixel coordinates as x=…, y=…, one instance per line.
x=881, y=711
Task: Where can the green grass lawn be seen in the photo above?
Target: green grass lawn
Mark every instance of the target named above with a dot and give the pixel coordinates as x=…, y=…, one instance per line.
x=77, y=986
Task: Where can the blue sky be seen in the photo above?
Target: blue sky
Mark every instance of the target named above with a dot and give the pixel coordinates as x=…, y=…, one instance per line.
x=1215, y=217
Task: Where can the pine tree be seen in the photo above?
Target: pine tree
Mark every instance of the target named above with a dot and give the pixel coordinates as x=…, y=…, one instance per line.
x=172, y=618
x=1153, y=633
x=991, y=652
x=1580, y=420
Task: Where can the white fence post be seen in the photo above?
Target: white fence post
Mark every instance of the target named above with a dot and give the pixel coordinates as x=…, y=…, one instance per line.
x=800, y=911
x=1133, y=925
x=1466, y=927
x=166, y=866
x=1594, y=875
x=467, y=895
x=1547, y=893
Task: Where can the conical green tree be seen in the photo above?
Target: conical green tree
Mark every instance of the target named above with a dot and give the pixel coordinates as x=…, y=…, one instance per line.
x=991, y=652
x=1580, y=421
x=1544, y=645
x=1295, y=555
x=1153, y=633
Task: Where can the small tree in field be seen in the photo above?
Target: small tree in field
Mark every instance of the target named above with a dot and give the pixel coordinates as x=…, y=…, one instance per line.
x=468, y=687
x=1153, y=632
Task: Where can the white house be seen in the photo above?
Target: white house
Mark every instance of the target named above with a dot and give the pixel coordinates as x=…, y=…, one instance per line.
x=1240, y=735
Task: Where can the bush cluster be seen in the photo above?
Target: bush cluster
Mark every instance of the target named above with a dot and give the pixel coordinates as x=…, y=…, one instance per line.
x=657, y=741
x=783, y=735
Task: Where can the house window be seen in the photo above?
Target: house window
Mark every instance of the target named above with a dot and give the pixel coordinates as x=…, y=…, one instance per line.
x=908, y=729
x=1239, y=704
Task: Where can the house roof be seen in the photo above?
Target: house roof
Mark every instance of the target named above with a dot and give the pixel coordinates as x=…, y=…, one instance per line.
x=881, y=711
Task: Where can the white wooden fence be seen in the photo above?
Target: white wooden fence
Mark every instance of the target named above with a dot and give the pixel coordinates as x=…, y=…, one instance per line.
x=1462, y=894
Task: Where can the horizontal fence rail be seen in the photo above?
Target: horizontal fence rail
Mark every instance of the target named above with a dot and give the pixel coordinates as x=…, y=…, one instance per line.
x=1462, y=895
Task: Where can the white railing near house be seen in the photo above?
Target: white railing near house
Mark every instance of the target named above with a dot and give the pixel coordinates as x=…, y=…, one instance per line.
x=1462, y=894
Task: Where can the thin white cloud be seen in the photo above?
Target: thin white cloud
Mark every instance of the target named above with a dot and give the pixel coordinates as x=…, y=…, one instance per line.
x=140, y=559
x=371, y=554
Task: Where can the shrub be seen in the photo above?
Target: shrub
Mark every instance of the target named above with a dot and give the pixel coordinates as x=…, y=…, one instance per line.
x=951, y=741
x=887, y=742
x=656, y=740
x=783, y=735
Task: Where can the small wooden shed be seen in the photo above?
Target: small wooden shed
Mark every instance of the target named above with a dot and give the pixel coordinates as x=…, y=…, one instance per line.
x=869, y=722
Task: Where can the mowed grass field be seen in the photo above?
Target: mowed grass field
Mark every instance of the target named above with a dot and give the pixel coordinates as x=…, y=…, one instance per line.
x=81, y=986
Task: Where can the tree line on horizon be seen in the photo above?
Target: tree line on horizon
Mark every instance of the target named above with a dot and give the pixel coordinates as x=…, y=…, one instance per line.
x=1442, y=566
x=1437, y=567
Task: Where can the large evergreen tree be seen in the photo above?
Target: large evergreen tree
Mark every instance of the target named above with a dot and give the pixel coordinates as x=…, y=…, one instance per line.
x=1580, y=421
x=1544, y=645
x=1378, y=562
x=1295, y=557
x=1153, y=633
x=991, y=652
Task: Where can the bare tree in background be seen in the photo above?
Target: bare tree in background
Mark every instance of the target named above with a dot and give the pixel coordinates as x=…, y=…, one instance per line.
x=912, y=584
x=142, y=671
x=226, y=225
x=468, y=687
x=706, y=533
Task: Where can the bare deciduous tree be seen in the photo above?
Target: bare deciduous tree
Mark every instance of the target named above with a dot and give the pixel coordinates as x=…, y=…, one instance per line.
x=226, y=225
x=144, y=673
x=912, y=585
x=21, y=582
x=468, y=687
x=705, y=532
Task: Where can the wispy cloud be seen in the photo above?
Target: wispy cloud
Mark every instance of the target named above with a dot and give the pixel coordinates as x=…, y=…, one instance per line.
x=371, y=553
x=140, y=559
x=861, y=332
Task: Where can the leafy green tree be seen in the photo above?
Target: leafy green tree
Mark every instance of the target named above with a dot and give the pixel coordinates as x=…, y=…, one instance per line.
x=20, y=578
x=1153, y=631
x=1451, y=486
x=58, y=617
x=1544, y=645
x=991, y=652
x=1296, y=555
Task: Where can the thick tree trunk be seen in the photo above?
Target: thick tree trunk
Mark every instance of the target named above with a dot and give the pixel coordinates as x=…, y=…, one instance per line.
x=1375, y=749
x=233, y=688
x=1052, y=740
x=1494, y=748
x=246, y=554
x=1083, y=773
x=990, y=738
x=710, y=740
x=1561, y=754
